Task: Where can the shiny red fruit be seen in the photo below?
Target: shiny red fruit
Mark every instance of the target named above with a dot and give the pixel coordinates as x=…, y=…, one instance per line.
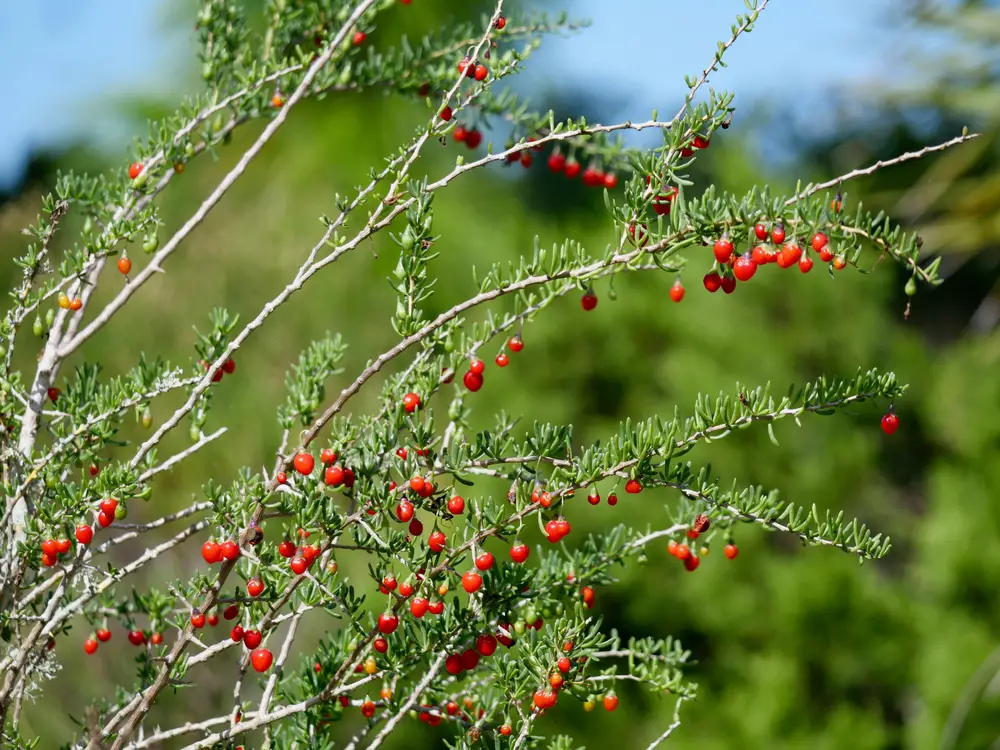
x=589, y=300
x=262, y=658
x=712, y=281
x=677, y=291
x=890, y=423
x=744, y=268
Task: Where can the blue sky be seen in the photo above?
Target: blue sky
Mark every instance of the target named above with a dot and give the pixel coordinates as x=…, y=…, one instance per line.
x=64, y=63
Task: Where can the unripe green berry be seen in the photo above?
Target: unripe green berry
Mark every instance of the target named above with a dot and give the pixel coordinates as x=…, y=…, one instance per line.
x=911, y=287
x=121, y=512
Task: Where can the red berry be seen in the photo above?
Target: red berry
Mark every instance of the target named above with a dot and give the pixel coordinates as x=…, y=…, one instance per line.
x=229, y=367
x=484, y=561
x=477, y=366
x=472, y=581
x=613, y=498
x=287, y=549
x=436, y=541
x=108, y=505
x=724, y=250
x=825, y=255
x=230, y=549
x=124, y=265
x=633, y=487
x=760, y=231
x=405, y=589
x=594, y=498
x=677, y=291
x=819, y=241
x=456, y=506
x=136, y=637
x=404, y=511
x=544, y=699
x=459, y=133
x=252, y=639
x=728, y=284
x=53, y=394
x=103, y=635
x=572, y=169
x=683, y=552
x=557, y=162
x=255, y=587
x=281, y=477
x=135, y=169
x=327, y=456
x=446, y=114
x=588, y=596
x=50, y=547
x=638, y=235
x=387, y=623
x=589, y=300
x=415, y=528
x=610, y=702
x=731, y=551
x=480, y=72
x=156, y=639
x=506, y=730
x=700, y=141
x=453, y=664
x=418, y=607
x=333, y=476
x=90, y=645
x=380, y=644
x=298, y=565
x=359, y=38
x=744, y=268
x=500, y=22
x=470, y=659
x=304, y=463
x=473, y=381
x=502, y=359
x=231, y=612
x=692, y=562
x=761, y=255
x=198, y=619
x=211, y=552
x=368, y=709
x=778, y=234
x=515, y=344
x=411, y=402
x=890, y=423
x=262, y=658
x=806, y=264
x=610, y=180
x=712, y=281
x=564, y=664
x=839, y=263
x=473, y=138
x=519, y=552
x=105, y=519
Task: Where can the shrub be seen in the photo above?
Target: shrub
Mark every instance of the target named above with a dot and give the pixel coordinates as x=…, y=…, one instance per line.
x=476, y=616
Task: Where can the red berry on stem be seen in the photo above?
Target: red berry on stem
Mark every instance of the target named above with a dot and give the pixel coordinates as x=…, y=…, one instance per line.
x=90, y=645
x=480, y=72
x=472, y=581
x=760, y=231
x=135, y=169
x=610, y=702
x=712, y=281
x=572, y=169
x=677, y=291
x=613, y=499
x=211, y=552
x=731, y=551
x=589, y=300
x=359, y=38
x=778, y=234
x=411, y=402
x=502, y=359
x=84, y=533
x=436, y=541
x=723, y=250
x=744, y=268
x=387, y=623
x=515, y=344
x=890, y=423
x=633, y=487
x=519, y=552
x=456, y=505
x=473, y=381
x=728, y=284
x=304, y=463
x=805, y=264
x=262, y=658
x=819, y=241
x=484, y=561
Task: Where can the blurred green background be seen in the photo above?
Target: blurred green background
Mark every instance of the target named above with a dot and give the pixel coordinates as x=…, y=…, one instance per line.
x=795, y=648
